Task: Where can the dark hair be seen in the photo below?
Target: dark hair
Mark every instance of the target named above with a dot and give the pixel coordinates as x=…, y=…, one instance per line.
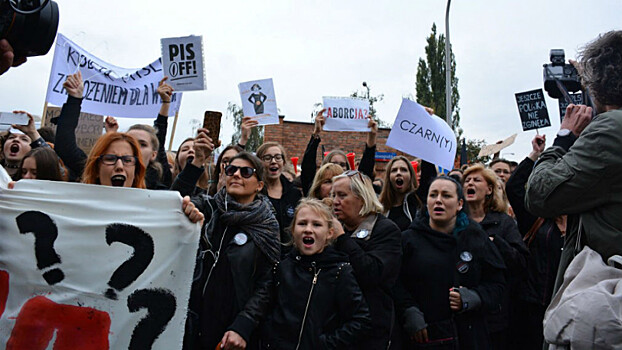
x=213, y=186
x=459, y=191
x=500, y=160
x=388, y=197
x=46, y=160
x=47, y=133
x=601, y=68
x=255, y=162
x=155, y=145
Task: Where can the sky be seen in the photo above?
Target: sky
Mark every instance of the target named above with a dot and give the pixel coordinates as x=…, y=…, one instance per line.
x=328, y=48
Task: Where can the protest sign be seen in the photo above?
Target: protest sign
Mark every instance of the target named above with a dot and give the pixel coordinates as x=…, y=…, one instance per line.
x=577, y=99
x=346, y=114
x=532, y=109
x=89, y=129
x=259, y=102
x=93, y=267
x=421, y=135
x=108, y=89
x=182, y=62
x=7, y=119
x=497, y=147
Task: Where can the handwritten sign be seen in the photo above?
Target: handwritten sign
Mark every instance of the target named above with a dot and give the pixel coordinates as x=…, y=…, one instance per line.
x=182, y=62
x=497, y=147
x=87, y=267
x=346, y=114
x=421, y=135
x=108, y=89
x=577, y=99
x=532, y=109
x=89, y=129
x=259, y=102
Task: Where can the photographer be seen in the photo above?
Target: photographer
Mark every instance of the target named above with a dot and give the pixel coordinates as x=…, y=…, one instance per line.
x=585, y=180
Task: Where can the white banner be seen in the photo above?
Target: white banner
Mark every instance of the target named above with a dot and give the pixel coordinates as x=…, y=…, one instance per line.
x=346, y=114
x=421, y=135
x=182, y=61
x=93, y=267
x=108, y=89
x=259, y=102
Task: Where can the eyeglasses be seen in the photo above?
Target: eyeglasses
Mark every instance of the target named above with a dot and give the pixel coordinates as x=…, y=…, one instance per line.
x=268, y=157
x=245, y=171
x=351, y=173
x=111, y=159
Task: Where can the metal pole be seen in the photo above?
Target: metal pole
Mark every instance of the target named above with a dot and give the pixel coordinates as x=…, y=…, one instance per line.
x=448, y=107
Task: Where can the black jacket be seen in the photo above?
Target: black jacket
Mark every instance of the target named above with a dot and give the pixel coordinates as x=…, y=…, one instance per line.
x=186, y=181
x=221, y=303
x=510, y=244
x=546, y=247
x=315, y=299
x=403, y=215
x=376, y=262
x=432, y=263
x=285, y=207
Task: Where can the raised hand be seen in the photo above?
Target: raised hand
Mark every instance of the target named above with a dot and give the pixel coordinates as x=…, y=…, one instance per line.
x=74, y=85
x=111, y=125
x=320, y=120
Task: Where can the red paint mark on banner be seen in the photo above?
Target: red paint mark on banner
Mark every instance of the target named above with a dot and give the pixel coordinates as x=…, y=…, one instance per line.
x=4, y=290
x=76, y=327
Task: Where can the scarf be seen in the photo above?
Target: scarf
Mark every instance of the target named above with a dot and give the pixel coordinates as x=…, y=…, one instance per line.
x=256, y=219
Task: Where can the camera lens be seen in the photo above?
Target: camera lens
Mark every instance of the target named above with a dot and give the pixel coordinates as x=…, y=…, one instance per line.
x=32, y=34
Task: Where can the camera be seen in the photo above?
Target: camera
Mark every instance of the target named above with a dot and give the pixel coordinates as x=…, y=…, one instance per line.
x=29, y=25
x=558, y=69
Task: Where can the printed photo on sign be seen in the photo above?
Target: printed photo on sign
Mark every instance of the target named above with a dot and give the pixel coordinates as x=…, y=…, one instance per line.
x=182, y=62
x=422, y=135
x=532, y=109
x=346, y=114
x=101, y=272
x=259, y=102
x=108, y=89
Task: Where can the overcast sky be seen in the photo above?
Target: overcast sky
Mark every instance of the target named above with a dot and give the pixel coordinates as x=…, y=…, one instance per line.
x=328, y=48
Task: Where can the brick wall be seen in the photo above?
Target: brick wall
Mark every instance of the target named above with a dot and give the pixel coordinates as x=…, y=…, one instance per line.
x=294, y=136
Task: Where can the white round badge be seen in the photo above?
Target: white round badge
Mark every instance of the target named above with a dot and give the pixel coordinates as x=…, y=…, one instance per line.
x=240, y=238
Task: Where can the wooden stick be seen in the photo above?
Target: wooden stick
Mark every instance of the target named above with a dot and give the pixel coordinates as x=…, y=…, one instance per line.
x=170, y=144
x=44, y=118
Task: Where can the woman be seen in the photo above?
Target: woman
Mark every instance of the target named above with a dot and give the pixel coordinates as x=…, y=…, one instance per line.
x=450, y=276
x=372, y=243
x=308, y=167
x=545, y=239
x=281, y=192
x=239, y=247
x=398, y=192
x=18, y=143
x=219, y=177
x=487, y=209
x=323, y=181
x=41, y=164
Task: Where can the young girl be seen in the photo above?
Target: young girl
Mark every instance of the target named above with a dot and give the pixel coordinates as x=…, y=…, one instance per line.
x=314, y=300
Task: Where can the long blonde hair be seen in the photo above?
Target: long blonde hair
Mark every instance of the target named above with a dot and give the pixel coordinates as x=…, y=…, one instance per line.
x=493, y=202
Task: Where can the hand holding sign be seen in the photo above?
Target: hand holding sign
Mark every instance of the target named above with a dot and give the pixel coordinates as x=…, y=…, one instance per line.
x=111, y=124
x=319, y=122
x=182, y=60
x=165, y=91
x=373, y=132
x=258, y=101
x=346, y=114
x=74, y=85
x=577, y=118
x=248, y=123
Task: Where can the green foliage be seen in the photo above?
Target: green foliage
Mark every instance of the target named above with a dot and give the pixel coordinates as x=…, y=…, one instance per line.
x=372, y=111
x=235, y=113
x=473, y=147
x=430, y=84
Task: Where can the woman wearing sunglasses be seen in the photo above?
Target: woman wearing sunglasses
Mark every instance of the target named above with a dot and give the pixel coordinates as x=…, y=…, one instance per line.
x=373, y=245
x=239, y=247
x=281, y=192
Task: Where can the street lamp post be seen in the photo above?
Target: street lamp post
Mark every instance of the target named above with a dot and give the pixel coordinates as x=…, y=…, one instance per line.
x=371, y=103
x=447, y=68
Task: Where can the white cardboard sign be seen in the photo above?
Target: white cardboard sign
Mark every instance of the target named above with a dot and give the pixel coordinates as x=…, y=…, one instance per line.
x=182, y=62
x=346, y=114
x=108, y=89
x=93, y=267
x=259, y=101
x=421, y=135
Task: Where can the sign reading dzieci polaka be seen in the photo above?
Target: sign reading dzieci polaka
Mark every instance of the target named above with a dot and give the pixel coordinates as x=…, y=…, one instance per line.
x=346, y=114
x=532, y=109
x=182, y=62
x=259, y=101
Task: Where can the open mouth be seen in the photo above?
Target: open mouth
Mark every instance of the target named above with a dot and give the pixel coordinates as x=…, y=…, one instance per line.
x=117, y=181
x=439, y=210
x=190, y=159
x=399, y=181
x=14, y=148
x=308, y=241
x=273, y=169
x=470, y=191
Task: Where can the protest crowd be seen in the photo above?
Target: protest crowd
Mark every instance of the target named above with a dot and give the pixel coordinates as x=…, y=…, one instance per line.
x=331, y=256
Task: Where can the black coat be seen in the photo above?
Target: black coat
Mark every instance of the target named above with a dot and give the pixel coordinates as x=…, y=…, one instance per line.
x=222, y=302
x=376, y=262
x=336, y=313
x=432, y=263
x=404, y=214
x=546, y=247
x=510, y=244
x=285, y=207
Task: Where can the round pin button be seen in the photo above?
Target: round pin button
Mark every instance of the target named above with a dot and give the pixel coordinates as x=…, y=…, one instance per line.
x=362, y=234
x=466, y=256
x=240, y=238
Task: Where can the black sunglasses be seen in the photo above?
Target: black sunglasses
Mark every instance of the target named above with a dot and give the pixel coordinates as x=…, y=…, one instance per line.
x=351, y=173
x=245, y=171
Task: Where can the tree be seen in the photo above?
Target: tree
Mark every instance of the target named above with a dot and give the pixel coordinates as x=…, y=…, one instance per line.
x=235, y=113
x=430, y=83
x=372, y=111
x=473, y=147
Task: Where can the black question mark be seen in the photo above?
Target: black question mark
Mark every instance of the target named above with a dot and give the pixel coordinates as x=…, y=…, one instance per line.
x=133, y=267
x=160, y=305
x=45, y=231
